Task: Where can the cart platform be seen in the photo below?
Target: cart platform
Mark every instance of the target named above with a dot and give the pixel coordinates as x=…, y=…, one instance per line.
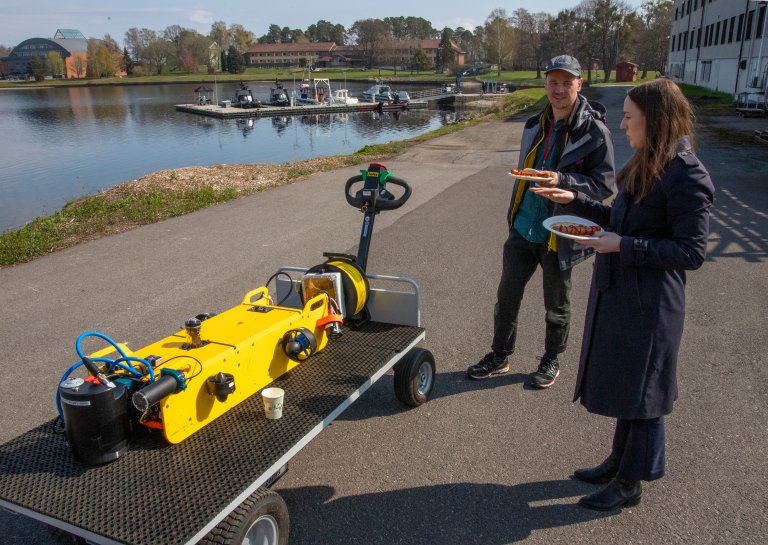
x=176, y=494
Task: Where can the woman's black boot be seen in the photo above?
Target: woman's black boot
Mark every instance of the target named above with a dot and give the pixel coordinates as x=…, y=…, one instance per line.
x=619, y=493
x=600, y=474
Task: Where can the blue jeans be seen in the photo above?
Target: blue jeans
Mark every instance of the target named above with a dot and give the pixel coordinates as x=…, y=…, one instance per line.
x=521, y=258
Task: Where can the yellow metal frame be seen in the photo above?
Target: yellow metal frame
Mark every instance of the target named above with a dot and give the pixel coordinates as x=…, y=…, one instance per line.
x=244, y=341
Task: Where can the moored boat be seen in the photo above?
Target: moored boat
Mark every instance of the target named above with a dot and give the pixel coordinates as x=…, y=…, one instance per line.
x=278, y=96
x=244, y=98
x=342, y=96
x=378, y=93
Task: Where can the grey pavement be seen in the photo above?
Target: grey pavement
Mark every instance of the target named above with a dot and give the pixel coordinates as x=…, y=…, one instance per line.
x=485, y=462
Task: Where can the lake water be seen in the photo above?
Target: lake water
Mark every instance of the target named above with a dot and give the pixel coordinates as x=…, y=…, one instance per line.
x=60, y=144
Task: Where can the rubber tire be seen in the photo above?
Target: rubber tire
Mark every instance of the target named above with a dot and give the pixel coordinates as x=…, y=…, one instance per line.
x=262, y=503
x=412, y=387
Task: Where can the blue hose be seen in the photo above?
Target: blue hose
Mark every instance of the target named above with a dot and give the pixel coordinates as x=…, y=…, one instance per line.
x=124, y=363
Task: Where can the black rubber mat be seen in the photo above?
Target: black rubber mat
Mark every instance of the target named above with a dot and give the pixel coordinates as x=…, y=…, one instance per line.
x=164, y=494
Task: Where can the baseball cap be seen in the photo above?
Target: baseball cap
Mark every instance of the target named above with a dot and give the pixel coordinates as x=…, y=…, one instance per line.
x=565, y=63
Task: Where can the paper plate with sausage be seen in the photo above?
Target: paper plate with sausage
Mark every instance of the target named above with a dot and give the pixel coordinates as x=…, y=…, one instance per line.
x=530, y=174
x=572, y=227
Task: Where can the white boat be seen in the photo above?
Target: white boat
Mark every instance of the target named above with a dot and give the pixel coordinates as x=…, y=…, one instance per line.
x=378, y=93
x=342, y=96
x=317, y=91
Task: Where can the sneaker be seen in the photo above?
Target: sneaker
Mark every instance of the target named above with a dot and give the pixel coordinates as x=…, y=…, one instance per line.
x=548, y=370
x=490, y=366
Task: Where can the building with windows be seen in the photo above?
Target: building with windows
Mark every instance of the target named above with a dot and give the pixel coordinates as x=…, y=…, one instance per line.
x=70, y=44
x=720, y=44
x=328, y=54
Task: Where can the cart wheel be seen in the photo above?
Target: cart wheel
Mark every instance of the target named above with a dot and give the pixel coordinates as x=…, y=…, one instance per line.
x=415, y=377
x=262, y=519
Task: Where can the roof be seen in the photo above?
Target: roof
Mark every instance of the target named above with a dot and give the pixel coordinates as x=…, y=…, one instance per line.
x=68, y=34
x=294, y=47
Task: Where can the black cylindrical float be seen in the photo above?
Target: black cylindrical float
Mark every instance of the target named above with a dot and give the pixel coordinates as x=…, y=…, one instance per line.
x=96, y=420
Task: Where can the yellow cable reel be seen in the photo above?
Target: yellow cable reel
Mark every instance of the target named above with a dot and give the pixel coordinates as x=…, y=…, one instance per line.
x=353, y=280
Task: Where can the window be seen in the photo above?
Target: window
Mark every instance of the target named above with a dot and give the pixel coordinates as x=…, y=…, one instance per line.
x=750, y=20
x=690, y=45
x=730, y=32
x=672, y=47
x=760, y=21
x=740, y=27
x=698, y=38
x=717, y=33
x=706, y=70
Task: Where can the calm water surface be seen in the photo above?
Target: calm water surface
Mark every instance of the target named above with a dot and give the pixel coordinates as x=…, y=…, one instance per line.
x=59, y=144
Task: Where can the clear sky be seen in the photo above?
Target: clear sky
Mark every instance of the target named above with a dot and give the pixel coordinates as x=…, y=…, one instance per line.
x=23, y=19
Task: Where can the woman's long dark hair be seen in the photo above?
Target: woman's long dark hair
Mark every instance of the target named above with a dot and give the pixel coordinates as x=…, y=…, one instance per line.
x=668, y=117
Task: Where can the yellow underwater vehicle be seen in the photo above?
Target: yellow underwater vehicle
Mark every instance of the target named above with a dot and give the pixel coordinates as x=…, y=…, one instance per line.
x=183, y=382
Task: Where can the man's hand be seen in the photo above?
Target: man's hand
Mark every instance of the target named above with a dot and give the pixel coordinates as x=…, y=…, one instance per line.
x=555, y=194
x=554, y=182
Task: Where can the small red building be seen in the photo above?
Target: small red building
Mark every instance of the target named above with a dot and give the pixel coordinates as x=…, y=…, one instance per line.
x=626, y=71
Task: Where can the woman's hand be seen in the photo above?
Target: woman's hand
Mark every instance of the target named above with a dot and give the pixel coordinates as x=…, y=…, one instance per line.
x=604, y=242
x=555, y=194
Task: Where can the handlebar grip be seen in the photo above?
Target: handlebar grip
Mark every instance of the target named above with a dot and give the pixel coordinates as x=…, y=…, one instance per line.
x=154, y=392
x=381, y=204
x=400, y=201
x=353, y=200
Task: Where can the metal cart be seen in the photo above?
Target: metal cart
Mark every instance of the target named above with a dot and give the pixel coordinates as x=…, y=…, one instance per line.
x=213, y=488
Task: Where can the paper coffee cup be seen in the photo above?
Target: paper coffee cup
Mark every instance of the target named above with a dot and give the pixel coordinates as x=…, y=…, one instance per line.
x=273, y=402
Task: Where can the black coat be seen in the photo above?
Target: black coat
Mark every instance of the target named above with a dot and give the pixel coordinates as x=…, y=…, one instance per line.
x=636, y=309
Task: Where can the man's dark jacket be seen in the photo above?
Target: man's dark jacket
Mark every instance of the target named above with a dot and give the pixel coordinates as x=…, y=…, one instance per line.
x=586, y=165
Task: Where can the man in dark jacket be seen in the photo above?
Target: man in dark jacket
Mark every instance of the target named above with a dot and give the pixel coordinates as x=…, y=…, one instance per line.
x=569, y=142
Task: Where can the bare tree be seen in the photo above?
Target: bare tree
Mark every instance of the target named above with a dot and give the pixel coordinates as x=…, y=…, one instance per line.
x=608, y=24
x=653, y=40
x=370, y=35
x=499, y=39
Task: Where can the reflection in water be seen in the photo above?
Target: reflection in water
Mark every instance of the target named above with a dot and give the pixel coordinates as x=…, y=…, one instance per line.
x=59, y=144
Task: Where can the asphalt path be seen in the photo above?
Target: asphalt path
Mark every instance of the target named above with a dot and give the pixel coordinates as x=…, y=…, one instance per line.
x=483, y=462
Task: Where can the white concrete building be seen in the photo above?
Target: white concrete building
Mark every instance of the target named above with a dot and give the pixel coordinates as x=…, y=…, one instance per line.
x=720, y=44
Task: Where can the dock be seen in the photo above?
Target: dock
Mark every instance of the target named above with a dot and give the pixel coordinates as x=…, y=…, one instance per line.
x=231, y=112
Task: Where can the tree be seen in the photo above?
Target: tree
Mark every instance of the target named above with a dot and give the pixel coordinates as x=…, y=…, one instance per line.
x=136, y=40
x=192, y=50
x=470, y=44
x=653, y=42
x=235, y=61
x=323, y=31
x=127, y=62
x=5, y=51
x=159, y=54
x=445, y=58
x=241, y=38
x=54, y=64
x=36, y=67
x=420, y=60
x=220, y=35
x=410, y=28
x=499, y=38
x=272, y=36
x=80, y=65
x=608, y=24
x=370, y=36
x=101, y=64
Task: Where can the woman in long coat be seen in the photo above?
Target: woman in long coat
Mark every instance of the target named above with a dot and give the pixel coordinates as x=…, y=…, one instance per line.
x=655, y=230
